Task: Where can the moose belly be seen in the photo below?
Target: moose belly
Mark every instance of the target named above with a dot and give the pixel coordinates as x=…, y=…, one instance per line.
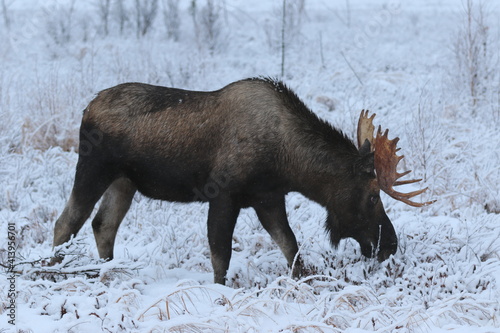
x=167, y=181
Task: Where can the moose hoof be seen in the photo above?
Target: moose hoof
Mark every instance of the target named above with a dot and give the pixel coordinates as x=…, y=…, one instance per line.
x=57, y=259
x=298, y=269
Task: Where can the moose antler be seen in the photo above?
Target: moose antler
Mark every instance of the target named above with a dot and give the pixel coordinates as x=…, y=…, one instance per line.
x=386, y=161
x=365, y=129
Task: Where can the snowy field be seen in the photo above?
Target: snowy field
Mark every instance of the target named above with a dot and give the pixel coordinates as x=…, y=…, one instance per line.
x=427, y=70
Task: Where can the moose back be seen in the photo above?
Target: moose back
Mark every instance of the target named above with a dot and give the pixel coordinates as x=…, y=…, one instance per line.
x=254, y=139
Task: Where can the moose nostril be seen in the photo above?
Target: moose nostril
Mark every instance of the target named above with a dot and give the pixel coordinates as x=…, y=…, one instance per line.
x=387, y=251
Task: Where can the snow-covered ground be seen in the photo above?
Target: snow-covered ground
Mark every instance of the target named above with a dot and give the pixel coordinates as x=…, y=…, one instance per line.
x=407, y=61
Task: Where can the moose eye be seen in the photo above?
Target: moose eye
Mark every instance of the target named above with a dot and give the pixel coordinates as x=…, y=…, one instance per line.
x=374, y=199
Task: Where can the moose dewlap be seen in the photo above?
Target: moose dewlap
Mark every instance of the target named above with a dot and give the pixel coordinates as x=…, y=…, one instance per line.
x=255, y=139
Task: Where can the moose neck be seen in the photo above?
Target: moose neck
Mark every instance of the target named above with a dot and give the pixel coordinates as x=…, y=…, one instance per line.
x=321, y=161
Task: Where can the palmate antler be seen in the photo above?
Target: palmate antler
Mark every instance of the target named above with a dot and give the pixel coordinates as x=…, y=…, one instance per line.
x=386, y=161
x=365, y=129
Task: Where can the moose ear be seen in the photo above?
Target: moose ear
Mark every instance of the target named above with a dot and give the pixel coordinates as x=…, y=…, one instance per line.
x=365, y=148
x=366, y=164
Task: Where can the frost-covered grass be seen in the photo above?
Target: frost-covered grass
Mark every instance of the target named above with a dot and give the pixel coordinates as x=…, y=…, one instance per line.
x=396, y=59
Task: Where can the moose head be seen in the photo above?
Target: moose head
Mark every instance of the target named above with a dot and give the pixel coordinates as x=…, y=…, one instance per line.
x=362, y=216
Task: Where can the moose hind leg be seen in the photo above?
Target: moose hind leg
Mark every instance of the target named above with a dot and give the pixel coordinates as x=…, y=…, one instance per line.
x=114, y=205
x=73, y=217
x=222, y=215
x=90, y=184
x=272, y=215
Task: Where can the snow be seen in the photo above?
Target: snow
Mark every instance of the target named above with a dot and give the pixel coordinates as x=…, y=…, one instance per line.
x=395, y=58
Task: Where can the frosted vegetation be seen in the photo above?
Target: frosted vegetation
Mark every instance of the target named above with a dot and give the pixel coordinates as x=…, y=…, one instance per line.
x=428, y=69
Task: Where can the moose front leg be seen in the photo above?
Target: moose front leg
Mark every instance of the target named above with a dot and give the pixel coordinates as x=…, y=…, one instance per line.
x=222, y=215
x=272, y=215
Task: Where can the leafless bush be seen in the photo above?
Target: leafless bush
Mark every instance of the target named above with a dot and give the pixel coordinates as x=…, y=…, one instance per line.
x=54, y=118
x=171, y=18
x=211, y=23
x=287, y=18
x=427, y=140
x=121, y=14
x=495, y=100
x=60, y=21
x=473, y=51
x=145, y=14
x=104, y=8
x=7, y=130
x=5, y=14
x=285, y=26
x=208, y=25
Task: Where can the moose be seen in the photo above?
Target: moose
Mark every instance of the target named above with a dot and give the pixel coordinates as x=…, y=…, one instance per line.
x=257, y=140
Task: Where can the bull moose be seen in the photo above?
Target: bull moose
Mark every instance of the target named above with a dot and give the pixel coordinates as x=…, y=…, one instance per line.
x=255, y=139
